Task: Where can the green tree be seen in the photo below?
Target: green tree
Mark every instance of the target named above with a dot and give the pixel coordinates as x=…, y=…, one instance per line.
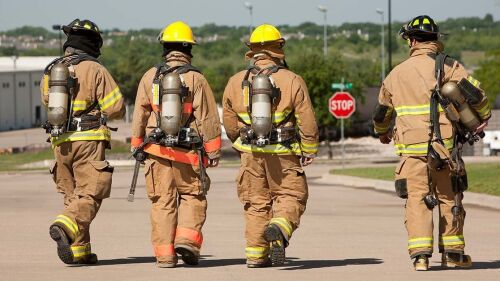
x=489, y=74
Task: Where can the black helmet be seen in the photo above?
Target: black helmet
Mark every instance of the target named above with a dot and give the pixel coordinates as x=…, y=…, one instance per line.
x=421, y=27
x=84, y=27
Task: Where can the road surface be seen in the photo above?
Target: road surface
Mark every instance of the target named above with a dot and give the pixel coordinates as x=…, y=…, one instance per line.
x=345, y=234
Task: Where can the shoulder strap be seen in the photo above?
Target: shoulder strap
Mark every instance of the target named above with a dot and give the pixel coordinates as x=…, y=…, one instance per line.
x=71, y=59
x=187, y=68
x=436, y=96
x=82, y=57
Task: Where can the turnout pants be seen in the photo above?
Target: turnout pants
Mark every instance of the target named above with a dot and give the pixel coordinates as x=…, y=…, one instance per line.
x=273, y=190
x=84, y=178
x=178, y=209
x=418, y=218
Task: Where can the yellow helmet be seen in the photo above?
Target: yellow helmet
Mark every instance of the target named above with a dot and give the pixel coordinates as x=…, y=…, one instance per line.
x=265, y=33
x=177, y=32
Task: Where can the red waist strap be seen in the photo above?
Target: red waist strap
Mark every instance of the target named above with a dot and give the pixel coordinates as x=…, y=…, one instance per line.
x=174, y=154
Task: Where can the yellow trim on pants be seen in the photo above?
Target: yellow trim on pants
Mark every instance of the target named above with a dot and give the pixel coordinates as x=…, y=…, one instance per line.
x=90, y=135
x=420, y=242
x=283, y=224
x=81, y=251
x=294, y=148
x=69, y=223
x=256, y=252
x=452, y=240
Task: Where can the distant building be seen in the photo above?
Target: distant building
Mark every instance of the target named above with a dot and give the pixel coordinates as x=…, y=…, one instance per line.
x=20, y=103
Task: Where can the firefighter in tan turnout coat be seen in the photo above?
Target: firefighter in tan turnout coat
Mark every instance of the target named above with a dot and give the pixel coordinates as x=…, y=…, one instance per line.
x=428, y=139
x=80, y=96
x=269, y=117
x=175, y=107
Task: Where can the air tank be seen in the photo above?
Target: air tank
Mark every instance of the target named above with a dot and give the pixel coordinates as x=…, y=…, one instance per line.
x=58, y=96
x=171, y=104
x=467, y=115
x=261, y=108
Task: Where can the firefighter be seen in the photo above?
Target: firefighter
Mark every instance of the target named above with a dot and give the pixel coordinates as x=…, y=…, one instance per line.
x=423, y=130
x=269, y=117
x=80, y=96
x=176, y=110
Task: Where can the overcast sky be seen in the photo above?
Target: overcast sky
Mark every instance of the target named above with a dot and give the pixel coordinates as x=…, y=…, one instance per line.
x=136, y=14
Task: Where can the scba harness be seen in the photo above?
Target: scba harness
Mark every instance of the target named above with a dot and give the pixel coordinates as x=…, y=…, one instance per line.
x=454, y=99
x=259, y=96
x=60, y=86
x=171, y=102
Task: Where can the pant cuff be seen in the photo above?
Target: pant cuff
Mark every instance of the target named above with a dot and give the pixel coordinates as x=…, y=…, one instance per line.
x=421, y=252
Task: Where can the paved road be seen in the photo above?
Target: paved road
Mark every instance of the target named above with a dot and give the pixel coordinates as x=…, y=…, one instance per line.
x=346, y=234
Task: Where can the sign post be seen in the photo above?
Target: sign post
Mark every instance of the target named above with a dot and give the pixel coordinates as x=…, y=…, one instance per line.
x=342, y=105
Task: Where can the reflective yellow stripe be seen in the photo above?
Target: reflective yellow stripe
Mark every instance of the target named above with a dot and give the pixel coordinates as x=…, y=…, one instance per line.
x=381, y=129
x=422, y=109
x=427, y=21
x=256, y=252
x=272, y=148
x=309, y=147
x=110, y=98
x=452, y=240
x=81, y=251
x=79, y=105
x=416, y=22
x=473, y=81
x=420, y=242
x=98, y=134
x=277, y=117
x=419, y=148
x=484, y=111
x=284, y=225
x=69, y=223
x=156, y=93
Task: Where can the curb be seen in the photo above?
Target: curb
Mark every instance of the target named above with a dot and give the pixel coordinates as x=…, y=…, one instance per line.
x=470, y=198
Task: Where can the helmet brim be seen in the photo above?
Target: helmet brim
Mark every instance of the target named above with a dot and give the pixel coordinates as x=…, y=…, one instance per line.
x=281, y=40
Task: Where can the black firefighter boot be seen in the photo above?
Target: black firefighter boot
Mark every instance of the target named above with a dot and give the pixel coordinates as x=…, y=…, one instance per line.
x=188, y=254
x=277, y=242
x=456, y=260
x=64, y=252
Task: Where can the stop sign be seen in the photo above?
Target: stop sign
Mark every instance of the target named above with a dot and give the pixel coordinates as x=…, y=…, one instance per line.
x=342, y=105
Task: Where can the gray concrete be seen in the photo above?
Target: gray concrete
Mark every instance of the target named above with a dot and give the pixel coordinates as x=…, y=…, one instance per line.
x=346, y=234
x=471, y=198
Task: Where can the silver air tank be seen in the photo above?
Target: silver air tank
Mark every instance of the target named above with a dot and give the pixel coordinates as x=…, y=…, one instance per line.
x=58, y=98
x=261, y=109
x=171, y=106
x=468, y=117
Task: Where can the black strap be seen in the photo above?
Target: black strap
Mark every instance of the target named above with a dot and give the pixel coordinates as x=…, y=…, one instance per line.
x=436, y=98
x=70, y=59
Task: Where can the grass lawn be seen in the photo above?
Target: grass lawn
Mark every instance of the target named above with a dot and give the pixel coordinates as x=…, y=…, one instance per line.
x=483, y=178
x=9, y=162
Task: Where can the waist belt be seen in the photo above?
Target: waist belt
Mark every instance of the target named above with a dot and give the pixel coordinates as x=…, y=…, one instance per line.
x=276, y=136
x=86, y=123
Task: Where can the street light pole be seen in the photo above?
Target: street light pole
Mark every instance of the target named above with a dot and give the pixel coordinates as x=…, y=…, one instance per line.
x=389, y=46
x=249, y=6
x=382, y=43
x=57, y=27
x=324, y=10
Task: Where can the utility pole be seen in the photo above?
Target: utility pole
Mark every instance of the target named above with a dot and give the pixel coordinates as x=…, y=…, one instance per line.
x=389, y=46
x=324, y=10
x=249, y=6
x=382, y=43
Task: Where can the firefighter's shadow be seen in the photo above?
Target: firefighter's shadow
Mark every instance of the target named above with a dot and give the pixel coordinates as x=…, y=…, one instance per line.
x=475, y=265
x=205, y=261
x=295, y=263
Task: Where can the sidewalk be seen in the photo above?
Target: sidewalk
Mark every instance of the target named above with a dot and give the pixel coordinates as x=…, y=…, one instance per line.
x=470, y=198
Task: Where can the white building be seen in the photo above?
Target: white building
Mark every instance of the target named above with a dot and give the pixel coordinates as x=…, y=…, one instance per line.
x=20, y=104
